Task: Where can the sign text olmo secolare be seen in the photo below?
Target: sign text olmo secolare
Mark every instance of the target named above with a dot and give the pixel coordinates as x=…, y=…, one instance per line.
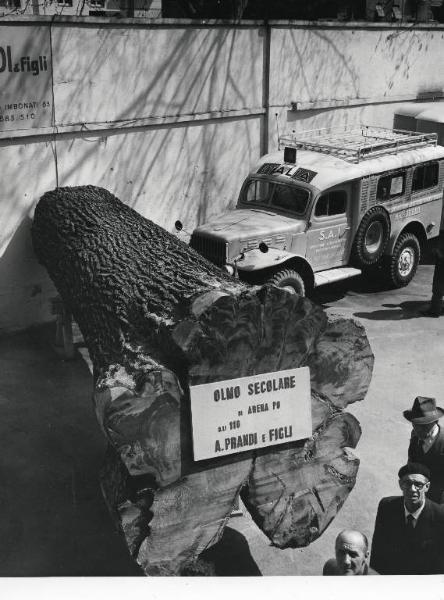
x=250, y=412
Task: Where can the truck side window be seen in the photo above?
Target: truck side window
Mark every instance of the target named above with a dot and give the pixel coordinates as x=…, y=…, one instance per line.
x=425, y=176
x=332, y=203
x=390, y=186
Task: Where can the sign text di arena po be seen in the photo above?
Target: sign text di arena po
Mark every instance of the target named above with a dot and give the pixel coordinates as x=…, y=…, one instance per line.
x=250, y=412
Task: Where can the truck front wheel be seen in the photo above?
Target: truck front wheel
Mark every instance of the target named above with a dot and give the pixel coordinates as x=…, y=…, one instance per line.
x=289, y=280
x=404, y=260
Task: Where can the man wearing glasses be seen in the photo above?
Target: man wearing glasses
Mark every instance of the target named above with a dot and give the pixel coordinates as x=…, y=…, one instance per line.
x=427, y=442
x=409, y=529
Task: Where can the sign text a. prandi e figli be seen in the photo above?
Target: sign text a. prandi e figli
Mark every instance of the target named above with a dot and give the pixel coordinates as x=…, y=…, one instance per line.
x=250, y=412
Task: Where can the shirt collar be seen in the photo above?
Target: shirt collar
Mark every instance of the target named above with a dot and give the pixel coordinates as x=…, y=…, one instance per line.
x=415, y=514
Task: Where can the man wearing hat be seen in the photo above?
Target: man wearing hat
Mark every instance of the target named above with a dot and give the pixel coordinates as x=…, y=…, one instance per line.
x=409, y=529
x=427, y=442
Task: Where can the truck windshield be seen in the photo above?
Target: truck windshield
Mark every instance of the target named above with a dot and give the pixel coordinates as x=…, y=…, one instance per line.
x=276, y=195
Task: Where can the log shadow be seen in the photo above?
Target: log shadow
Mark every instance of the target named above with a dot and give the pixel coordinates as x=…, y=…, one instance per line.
x=231, y=556
x=367, y=283
x=54, y=519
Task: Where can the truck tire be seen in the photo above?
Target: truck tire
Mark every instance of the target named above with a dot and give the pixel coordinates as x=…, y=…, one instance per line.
x=371, y=238
x=289, y=280
x=404, y=260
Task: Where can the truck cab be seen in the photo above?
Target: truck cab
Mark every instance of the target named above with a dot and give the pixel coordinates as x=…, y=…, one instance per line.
x=330, y=204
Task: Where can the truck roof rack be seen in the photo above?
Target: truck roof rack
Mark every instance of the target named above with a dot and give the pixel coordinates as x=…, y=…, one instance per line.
x=357, y=143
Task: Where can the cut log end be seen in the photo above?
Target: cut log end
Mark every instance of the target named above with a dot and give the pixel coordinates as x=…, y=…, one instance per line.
x=295, y=492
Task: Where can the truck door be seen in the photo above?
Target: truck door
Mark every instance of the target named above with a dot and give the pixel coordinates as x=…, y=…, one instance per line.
x=329, y=234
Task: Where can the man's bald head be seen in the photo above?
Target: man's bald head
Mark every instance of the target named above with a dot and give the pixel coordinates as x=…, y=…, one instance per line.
x=351, y=552
x=353, y=537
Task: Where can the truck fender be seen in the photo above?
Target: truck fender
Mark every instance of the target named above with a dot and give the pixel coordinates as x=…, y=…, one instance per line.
x=415, y=227
x=255, y=260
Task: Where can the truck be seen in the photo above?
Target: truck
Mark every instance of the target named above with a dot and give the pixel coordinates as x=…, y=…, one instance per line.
x=331, y=204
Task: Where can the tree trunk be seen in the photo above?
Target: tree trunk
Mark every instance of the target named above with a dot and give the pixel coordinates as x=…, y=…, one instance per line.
x=156, y=318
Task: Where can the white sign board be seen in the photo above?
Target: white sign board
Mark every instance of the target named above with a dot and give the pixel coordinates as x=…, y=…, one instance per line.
x=250, y=412
x=25, y=78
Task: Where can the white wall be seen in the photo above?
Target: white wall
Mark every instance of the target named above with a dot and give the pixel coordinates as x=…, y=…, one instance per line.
x=171, y=117
x=186, y=172
x=120, y=73
x=168, y=119
x=334, y=76
x=190, y=82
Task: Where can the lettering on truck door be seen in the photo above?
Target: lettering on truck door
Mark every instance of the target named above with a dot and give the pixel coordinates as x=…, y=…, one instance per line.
x=329, y=235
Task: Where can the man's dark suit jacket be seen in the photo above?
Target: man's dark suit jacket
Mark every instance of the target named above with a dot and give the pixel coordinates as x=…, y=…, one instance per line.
x=398, y=551
x=434, y=460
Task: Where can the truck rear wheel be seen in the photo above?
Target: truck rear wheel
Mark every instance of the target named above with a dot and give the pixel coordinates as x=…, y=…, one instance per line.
x=404, y=260
x=289, y=280
x=372, y=237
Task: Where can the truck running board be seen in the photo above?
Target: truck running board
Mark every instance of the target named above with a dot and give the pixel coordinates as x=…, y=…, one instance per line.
x=331, y=275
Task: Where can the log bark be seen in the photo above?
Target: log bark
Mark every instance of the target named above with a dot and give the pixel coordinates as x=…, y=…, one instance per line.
x=156, y=318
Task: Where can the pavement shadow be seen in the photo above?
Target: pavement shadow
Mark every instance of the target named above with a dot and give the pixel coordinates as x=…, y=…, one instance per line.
x=54, y=519
x=368, y=283
x=410, y=309
x=231, y=556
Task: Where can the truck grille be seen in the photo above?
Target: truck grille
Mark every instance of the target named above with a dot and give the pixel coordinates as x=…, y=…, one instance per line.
x=213, y=250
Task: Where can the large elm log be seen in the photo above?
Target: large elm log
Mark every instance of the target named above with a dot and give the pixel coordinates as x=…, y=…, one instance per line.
x=157, y=318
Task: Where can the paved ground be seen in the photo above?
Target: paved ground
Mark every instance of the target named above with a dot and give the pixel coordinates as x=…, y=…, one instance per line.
x=54, y=521
x=409, y=359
